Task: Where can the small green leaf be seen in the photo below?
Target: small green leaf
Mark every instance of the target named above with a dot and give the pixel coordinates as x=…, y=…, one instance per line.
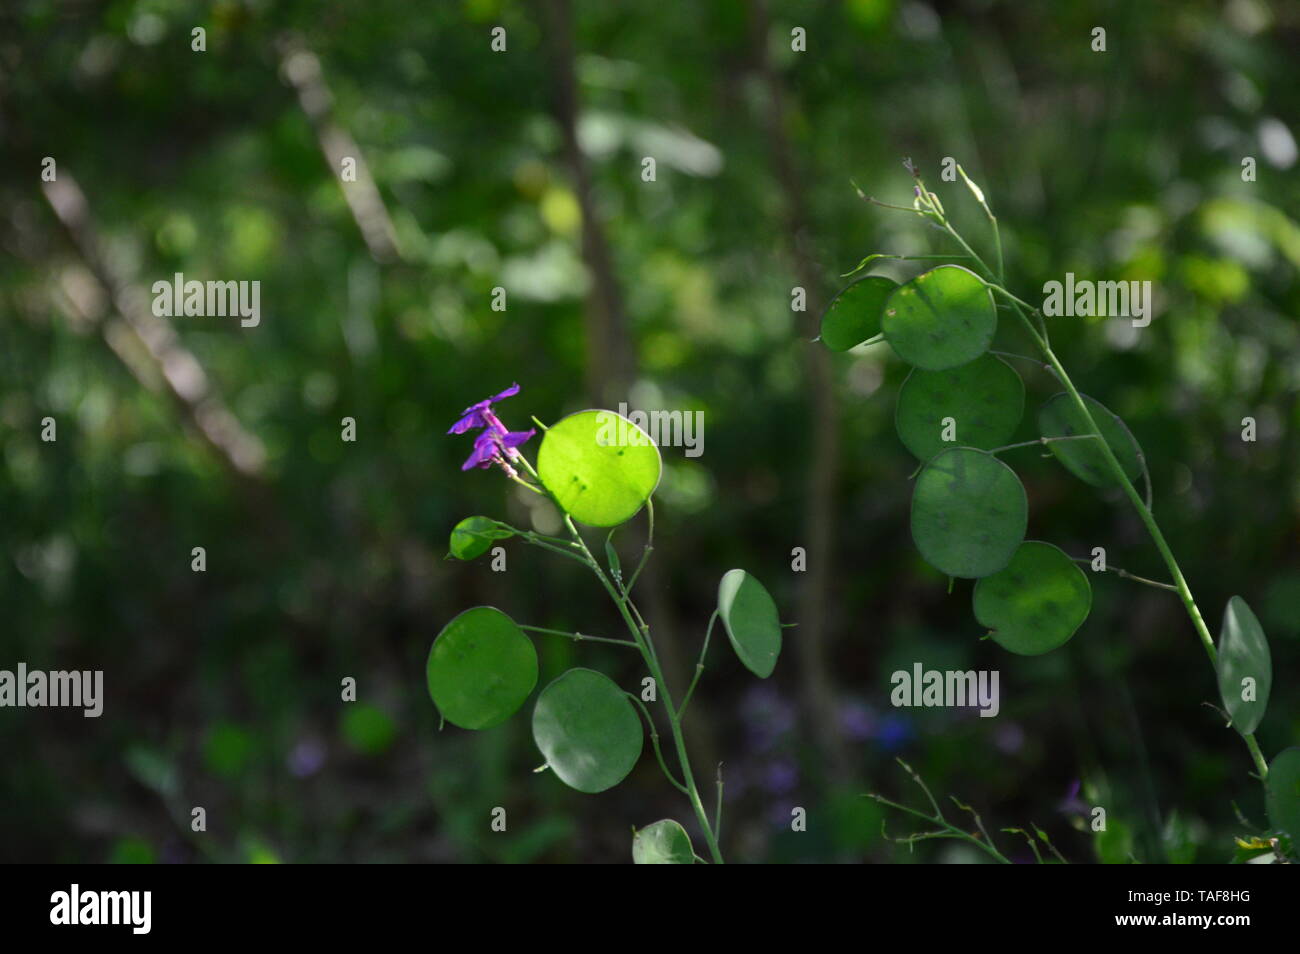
x=749, y=615
x=600, y=467
x=1036, y=603
x=472, y=537
x=969, y=513
x=1243, y=654
x=229, y=749
x=941, y=319
x=1114, y=843
x=1060, y=418
x=368, y=728
x=586, y=727
x=481, y=668
x=662, y=843
x=984, y=398
x=1282, y=793
x=854, y=314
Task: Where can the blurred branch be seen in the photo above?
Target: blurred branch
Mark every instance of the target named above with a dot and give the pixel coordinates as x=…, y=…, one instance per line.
x=611, y=361
x=301, y=69
x=819, y=697
x=162, y=357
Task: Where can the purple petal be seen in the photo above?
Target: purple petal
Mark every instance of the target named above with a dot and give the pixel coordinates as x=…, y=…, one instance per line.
x=485, y=449
x=471, y=417
x=515, y=438
x=479, y=415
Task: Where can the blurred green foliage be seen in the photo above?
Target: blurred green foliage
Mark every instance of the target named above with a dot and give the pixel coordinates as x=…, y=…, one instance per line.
x=222, y=687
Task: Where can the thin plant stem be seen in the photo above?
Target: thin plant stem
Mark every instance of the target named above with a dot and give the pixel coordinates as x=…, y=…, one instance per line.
x=717, y=810
x=877, y=256
x=1043, y=441
x=946, y=830
x=578, y=637
x=654, y=742
x=1125, y=574
x=641, y=636
x=1022, y=357
x=1117, y=471
x=699, y=666
x=539, y=542
x=648, y=549
x=949, y=831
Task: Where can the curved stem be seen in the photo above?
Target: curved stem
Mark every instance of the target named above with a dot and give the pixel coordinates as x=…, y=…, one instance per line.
x=1126, y=575
x=641, y=636
x=934, y=211
x=1140, y=505
x=699, y=666
x=654, y=741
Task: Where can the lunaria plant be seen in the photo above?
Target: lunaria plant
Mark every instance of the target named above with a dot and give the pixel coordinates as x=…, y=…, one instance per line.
x=956, y=411
x=599, y=470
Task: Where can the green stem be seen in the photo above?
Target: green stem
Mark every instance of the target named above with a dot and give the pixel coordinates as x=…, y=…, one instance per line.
x=641, y=637
x=1040, y=337
x=1125, y=574
x=1044, y=441
x=949, y=831
x=1139, y=504
x=579, y=637
x=674, y=717
x=649, y=547
x=654, y=742
x=699, y=666
x=1142, y=506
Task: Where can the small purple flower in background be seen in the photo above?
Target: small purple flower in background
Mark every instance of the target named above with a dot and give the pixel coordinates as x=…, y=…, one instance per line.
x=1010, y=738
x=1072, y=804
x=781, y=776
x=779, y=816
x=769, y=717
x=857, y=720
x=306, y=758
x=496, y=444
x=895, y=732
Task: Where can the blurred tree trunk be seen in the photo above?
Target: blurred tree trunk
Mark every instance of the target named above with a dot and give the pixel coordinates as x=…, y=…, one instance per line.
x=818, y=691
x=611, y=361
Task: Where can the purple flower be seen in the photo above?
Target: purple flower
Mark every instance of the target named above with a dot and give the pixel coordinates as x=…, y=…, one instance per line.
x=492, y=443
x=857, y=721
x=1072, y=804
x=782, y=776
x=895, y=732
x=480, y=414
x=495, y=445
x=306, y=758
